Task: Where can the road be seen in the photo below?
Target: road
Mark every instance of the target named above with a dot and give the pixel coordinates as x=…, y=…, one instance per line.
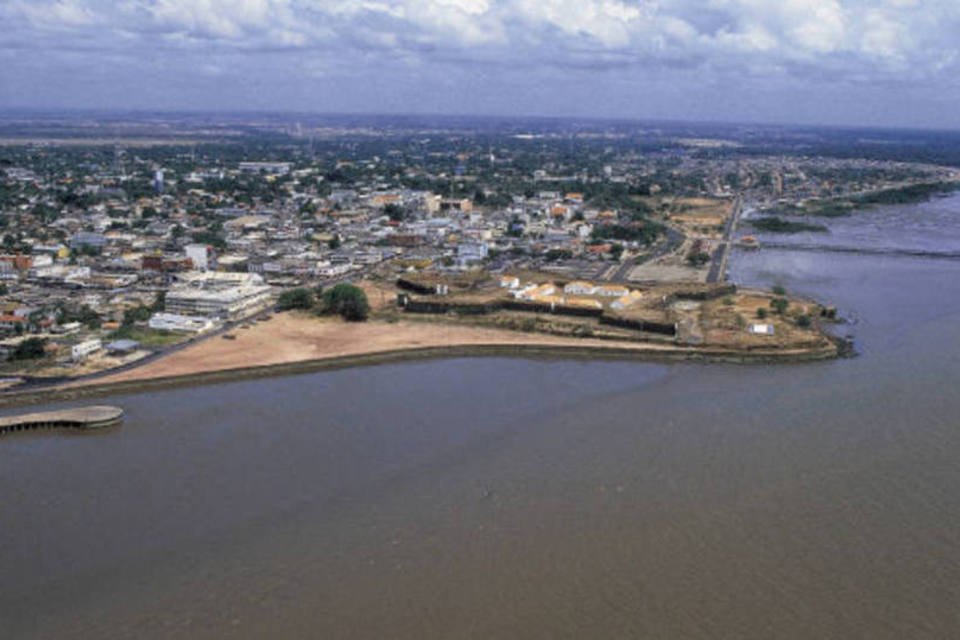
x=621, y=273
x=718, y=266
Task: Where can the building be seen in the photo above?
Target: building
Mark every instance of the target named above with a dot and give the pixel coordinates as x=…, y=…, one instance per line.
x=464, y=205
x=201, y=255
x=472, y=252
x=178, y=323
x=580, y=288
x=271, y=168
x=81, y=350
x=612, y=291
x=761, y=329
x=626, y=301
x=122, y=347
x=84, y=239
x=509, y=282
x=218, y=295
x=158, y=181
x=12, y=323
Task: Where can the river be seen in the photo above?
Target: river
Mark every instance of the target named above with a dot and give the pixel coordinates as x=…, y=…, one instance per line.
x=502, y=498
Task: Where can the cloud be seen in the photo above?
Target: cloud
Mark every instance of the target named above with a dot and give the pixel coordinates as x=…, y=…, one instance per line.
x=816, y=41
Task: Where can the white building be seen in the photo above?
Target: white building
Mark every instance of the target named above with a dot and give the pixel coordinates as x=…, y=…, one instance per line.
x=201, y=255
x=218, y=295
x=761, y=329
x=580, y=288
x=272, y=168
x=612, y=291
x=469, y=252
x=80, y=351
x=178, y=323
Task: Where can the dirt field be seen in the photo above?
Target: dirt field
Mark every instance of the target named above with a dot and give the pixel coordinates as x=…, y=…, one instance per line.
x=290, y=337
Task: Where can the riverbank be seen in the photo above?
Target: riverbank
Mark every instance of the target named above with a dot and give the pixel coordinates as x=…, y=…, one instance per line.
x=299, y=343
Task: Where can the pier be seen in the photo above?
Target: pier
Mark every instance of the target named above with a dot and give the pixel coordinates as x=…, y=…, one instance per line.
x=83, y=419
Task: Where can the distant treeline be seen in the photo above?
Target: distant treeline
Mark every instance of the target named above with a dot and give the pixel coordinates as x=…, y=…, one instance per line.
x=774, y=224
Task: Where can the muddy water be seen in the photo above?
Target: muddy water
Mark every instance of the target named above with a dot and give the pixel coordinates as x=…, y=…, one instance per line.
x=480, y=498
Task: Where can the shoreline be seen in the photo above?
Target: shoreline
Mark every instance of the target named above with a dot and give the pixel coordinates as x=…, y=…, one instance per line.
x=657, y=354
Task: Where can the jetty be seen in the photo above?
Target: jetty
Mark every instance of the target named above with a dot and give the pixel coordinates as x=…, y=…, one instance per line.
x=83, y=419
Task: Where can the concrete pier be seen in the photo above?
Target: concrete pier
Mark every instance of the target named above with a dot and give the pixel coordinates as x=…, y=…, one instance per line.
x=84, y=419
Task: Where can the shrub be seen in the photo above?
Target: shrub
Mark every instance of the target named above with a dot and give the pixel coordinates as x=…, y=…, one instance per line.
x=347, y=300
x=30, y=349
x=295, y=299
x=780, y=305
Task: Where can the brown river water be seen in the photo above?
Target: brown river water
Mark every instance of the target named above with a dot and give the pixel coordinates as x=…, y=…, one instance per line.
x=518, y=498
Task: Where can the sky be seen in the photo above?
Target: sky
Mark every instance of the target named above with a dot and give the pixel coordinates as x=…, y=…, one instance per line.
x=840, y=62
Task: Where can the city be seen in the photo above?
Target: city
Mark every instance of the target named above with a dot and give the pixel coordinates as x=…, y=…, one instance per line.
x=118, y=251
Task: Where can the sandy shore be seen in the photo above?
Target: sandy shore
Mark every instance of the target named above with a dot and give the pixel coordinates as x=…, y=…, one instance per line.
x=292, y=343
x=288, y=338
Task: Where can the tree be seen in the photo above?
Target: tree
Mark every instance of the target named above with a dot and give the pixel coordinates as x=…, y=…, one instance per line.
x=299, y=298
x=137, y=314
x=30, y=349
x=395, y=212
x=761, y=313
x=779, y=290
x=780, y=305
x=347, y=300
x=334, y=243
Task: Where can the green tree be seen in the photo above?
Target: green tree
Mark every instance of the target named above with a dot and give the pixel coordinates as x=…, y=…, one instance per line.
x=761, y=313
x=30, y=349
x=347, y=300
x=299, y=298
x=779, y=305
x=395, y=212
x=137, y=314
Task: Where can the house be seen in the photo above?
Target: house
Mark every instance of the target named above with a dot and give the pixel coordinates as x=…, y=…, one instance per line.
x=538, y=292
x=584, y=303
x=612, y=291
x=12, y=323
x=580, y=288
x=470, y=252
x=625, y=301
x=509, y=282
x=122, y=347
x=761, y=329
x=81, y=350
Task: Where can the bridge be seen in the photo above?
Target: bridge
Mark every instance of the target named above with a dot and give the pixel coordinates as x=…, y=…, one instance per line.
x=869, y=251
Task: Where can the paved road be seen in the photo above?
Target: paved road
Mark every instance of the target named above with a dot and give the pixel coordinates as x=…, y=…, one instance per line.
x=621, y=273
x=718, y=266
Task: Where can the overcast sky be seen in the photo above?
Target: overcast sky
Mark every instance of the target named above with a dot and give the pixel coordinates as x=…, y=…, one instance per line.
x=870, y=62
